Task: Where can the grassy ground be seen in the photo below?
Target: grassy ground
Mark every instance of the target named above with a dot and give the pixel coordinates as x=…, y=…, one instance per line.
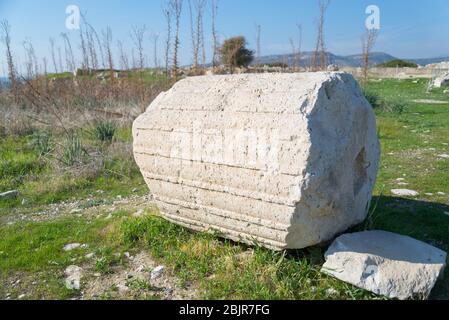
x=60, y=205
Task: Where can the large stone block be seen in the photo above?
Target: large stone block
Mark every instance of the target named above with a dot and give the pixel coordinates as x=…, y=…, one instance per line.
x=284, y=160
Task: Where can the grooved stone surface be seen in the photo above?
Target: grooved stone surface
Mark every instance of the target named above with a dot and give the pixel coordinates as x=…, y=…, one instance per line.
x=284, y=160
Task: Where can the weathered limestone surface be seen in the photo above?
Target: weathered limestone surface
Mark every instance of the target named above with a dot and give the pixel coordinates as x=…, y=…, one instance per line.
x=386, y=263
x=285, y=160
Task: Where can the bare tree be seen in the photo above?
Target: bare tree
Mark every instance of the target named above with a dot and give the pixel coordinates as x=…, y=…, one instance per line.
x=215, y=45
x=53, y=55
x=193, y=37
x=5, y=29
x=168, y=18
x=84, y=50
x=31, y=64
x=258, y=31
x=61, y=67
x=155, y=38
x=124, y=62
x=294, y=54
x=197, y=31
x=200, y=23
x=138, y=36
x=69, y=57
x=176, y=8
x=92, y=39
x=368, y=42
x=107, y=43
x=319, y=60
x=298, y=53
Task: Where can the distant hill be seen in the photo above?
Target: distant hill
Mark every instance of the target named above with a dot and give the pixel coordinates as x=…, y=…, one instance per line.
x=424, y=62
x=344, y=61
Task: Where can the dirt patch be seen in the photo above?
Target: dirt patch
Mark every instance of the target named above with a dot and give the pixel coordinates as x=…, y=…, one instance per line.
x=135, y=282
x=83, y=208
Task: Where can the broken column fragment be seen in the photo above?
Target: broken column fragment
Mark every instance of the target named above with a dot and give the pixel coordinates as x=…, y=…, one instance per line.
x=284, y=160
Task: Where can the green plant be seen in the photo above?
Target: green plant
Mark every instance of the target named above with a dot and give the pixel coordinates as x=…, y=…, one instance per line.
x=42, y=142
x=394, y=105
x=105, y=130
x=73, y=151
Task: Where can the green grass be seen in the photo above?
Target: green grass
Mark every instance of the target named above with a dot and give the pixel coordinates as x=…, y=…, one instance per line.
x=411, y=141
x=28, y=249
x=67, y=174
x=224, y=270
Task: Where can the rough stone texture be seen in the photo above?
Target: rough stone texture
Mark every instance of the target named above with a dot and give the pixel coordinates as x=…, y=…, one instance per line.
x=385, y=263
x=441, y=81
x=285, y=160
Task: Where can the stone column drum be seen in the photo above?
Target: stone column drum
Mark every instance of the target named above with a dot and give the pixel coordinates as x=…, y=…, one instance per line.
x=286, y=161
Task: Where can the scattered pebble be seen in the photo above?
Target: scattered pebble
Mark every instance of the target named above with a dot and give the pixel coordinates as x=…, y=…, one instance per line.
x=405, y=192
x=90, y=255
x=73, y=246
x=157, y=272
x=443, y=156
x=73, y=279
x=331, y=292
x=441, y=193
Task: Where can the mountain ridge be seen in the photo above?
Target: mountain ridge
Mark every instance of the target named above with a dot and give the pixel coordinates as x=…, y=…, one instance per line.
x=353, y=60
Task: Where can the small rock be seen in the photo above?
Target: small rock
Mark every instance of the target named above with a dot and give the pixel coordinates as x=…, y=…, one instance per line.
x=22, y=296
x=24, y=201
x=76, y=210
x=400, y=179
x=140, y=268
x=157, y=272
x=90, y=255
x=168, y=291
x=405, y=192
x=331, y=292
x=122, y=288
x=441, y=193
x=443, y=156
x=73, y=277
x=72, y=246
x=385, y=263
x=135, y=190
x=12, y=194
x=429, y=194
x=402, y=184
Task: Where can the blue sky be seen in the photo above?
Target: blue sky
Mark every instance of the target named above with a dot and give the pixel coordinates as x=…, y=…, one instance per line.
x=409, y=28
